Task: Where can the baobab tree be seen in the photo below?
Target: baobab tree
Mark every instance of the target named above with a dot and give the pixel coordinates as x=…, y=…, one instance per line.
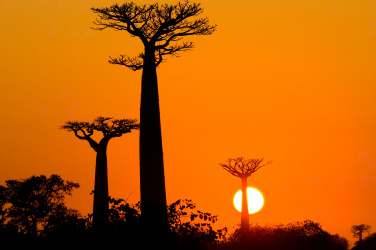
x=110, y=128
x=358, y=231
x=243, y=168
x=160, y=29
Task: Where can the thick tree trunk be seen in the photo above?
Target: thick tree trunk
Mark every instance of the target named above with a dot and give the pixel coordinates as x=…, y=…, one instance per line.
x=101, y=205
x=152, y=179
x=244, y=225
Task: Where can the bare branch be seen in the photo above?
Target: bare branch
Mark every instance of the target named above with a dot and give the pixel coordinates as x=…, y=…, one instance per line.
x=83, y=128
x=243, y=168
x=174, y=49
x=160, y=27
x=123, y=17
x=110, y=128
x=134, y=63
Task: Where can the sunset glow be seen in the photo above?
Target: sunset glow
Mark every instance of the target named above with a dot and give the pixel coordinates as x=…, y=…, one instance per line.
x=255, y=200
x=292, y=81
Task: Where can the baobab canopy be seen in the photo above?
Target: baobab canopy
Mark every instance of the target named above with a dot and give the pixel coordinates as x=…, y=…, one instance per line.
x=160, y=26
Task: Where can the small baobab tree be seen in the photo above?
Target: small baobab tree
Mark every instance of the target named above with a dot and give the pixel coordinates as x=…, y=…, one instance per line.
x=160, y=27
x=243, y=168
x=358, y=231
x=110, y=128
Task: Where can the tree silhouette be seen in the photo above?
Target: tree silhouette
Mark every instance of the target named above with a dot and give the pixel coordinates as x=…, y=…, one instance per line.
x=110, y=129
x=243, y=168
x=159, y=27
x=31, y=203
x=358, y=230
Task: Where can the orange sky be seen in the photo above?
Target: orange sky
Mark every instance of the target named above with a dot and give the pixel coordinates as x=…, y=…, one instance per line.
x=292, y=81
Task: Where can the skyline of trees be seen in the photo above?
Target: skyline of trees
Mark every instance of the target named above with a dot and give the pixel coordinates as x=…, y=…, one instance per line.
x=60, y=227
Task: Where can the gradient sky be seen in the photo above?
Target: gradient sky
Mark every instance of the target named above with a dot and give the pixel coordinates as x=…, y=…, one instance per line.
x=292, y=81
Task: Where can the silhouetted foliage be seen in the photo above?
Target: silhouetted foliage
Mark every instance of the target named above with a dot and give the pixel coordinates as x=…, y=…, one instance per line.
x=243, y=168
x=358, y=231
x=34, y=202
x=369, y=243
x=34, y=208
x=40, y=200
x=192, y=228
x=3, y=202
x=64, y=228
x=64, y=221
x=306, y=235
x=160, y=28
x=109, y=128
x=123, y=212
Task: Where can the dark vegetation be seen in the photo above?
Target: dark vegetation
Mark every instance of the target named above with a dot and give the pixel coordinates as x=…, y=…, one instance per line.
x=369, y=243
x=33, y=214
x=306, y=235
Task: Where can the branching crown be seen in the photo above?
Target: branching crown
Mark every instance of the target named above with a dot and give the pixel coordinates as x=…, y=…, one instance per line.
x=243, y=168
x=159, y=27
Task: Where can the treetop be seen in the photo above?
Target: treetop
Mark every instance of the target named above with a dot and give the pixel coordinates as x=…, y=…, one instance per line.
x=241, y=167
x=107, y=125
x=159, y=26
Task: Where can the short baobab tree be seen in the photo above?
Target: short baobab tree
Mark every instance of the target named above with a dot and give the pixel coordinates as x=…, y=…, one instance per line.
x=110, y=128
x=358, y=231
x=243, y=168
x=160, y=28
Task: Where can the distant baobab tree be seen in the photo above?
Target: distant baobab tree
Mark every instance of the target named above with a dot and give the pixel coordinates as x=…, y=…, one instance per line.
x=358, y=230
x=160, y=28
x=243, y=168
x=110, y=128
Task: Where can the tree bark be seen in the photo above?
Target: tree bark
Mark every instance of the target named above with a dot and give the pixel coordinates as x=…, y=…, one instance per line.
x=101, y=205
x=244, y=225
x=152, y=179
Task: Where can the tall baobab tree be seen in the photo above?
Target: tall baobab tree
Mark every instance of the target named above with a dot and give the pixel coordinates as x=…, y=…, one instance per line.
x=160, y=28
x=358, y=231
x=243, y=168
x=110, y=128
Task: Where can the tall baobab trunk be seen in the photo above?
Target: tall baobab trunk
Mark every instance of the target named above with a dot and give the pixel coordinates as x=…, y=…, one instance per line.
x=101, y=206
x=244, y=225
x=152, y=179
x=109, y=129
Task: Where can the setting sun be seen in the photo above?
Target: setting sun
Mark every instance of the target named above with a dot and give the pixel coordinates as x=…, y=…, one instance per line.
x=255, y=200
x=290, y=82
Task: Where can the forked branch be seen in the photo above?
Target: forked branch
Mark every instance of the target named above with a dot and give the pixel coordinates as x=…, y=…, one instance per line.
x=134, y=63
x=243, y=168
x=109, y=127
x=160, y=27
